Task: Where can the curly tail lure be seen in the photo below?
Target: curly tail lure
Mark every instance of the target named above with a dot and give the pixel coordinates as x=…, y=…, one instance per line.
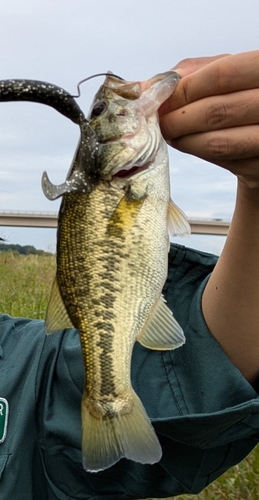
x=83, y=174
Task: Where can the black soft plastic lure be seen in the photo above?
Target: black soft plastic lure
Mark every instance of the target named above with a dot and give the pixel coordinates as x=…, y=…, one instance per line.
x=82, y=177
x=83, y=174
x=44, y=93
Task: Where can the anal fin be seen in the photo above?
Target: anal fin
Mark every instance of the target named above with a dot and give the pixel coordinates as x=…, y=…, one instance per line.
x=161, y=331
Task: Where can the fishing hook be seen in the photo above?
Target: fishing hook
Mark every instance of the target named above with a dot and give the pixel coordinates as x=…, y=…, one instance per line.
x=94, y=76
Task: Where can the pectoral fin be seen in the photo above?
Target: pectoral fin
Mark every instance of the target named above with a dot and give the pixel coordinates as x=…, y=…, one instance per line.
x=56, y=315
x=161, y=332
x=177, y=221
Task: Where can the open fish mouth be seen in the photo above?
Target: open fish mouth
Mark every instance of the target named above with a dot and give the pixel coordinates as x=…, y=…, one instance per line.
x=126, y=173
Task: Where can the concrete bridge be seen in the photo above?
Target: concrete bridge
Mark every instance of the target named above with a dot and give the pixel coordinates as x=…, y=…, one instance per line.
x=49, y=219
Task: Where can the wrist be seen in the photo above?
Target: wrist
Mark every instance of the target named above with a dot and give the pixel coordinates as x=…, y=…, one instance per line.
x=248, y=193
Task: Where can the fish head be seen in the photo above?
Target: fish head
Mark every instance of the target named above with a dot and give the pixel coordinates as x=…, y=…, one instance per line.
x=125, y=120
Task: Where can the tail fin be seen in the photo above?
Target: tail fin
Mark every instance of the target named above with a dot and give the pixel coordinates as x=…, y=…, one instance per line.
x=107, y=440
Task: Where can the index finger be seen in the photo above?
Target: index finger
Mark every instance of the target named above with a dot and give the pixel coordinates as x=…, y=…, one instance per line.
x=222, y=76
x=192, y=64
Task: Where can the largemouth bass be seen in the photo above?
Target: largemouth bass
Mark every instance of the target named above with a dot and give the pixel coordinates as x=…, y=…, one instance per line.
x=112, y=253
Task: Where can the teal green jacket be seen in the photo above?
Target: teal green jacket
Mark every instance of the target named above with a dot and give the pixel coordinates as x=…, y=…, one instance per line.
x=205, y=413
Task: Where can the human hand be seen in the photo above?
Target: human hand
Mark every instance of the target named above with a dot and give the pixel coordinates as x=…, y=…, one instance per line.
x=214, y=112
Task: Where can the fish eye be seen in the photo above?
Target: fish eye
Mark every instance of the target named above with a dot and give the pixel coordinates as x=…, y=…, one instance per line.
x=99, y=109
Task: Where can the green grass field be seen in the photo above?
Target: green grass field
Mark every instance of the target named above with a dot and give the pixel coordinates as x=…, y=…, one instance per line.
x=25, y=283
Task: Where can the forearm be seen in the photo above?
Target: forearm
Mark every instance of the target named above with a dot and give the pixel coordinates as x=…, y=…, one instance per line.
x=231, y=298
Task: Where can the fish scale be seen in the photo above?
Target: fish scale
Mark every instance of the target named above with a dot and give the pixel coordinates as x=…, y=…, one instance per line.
x=95, y=330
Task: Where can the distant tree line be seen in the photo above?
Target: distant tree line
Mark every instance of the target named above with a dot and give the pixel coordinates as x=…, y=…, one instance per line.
x=24, y=250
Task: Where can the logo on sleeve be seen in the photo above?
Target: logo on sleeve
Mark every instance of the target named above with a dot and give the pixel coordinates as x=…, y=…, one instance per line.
x=4, y=409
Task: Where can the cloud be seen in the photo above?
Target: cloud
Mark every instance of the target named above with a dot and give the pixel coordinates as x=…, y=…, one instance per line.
x=63, y=42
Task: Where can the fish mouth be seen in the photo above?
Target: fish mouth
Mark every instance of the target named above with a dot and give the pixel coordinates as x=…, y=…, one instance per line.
x=126, y=173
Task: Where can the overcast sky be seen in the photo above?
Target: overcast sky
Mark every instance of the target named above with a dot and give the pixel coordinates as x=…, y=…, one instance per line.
x=64, y=41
